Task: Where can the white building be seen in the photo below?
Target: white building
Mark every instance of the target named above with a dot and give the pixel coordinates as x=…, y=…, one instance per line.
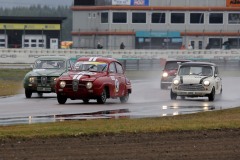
x=155, y=24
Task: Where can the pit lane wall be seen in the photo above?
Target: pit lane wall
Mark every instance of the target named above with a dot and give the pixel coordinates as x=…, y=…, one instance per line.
x=28, y=56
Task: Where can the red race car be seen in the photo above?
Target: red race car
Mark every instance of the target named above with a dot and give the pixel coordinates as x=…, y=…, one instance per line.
x=94, y=78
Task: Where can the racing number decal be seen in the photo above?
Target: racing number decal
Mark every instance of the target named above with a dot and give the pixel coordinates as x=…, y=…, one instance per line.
x=116, y=82
x=116, y=85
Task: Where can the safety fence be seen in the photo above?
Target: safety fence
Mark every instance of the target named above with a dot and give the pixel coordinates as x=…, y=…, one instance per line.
x=132, y=59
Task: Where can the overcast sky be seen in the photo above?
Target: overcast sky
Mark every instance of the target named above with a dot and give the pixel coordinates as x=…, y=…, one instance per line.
x=27, y=3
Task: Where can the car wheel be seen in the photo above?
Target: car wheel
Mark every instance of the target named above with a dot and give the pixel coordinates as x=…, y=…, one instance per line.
x=40, y=94
x=85, y=100
x=182, y=97
x=102, y=99
x=28, y=93
x=173, y=95
x=211, y=96
x=61, y=99
x=124, y=99
x=163, y=86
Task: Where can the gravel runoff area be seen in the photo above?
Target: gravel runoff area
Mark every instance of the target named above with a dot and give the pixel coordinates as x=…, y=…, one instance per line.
x=221, y=144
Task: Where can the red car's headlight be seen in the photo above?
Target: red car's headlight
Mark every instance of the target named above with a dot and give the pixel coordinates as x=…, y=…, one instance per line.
x=89, y=85
x=62, y=84
x=165, y=74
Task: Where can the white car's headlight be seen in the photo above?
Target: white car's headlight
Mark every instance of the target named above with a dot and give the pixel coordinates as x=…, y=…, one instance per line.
x=89, y=85
x=176, y=82
x=62, y=84
x=206, y=83
x=31, y=79
x=165, y=74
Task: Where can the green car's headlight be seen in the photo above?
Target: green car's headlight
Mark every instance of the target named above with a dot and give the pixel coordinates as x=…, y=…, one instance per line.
x=62, y=84
x=54, y=79
x=89, y=85
x=31, y=79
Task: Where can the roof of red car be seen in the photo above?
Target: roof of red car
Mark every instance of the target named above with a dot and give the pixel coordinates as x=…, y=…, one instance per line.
x=98, y=59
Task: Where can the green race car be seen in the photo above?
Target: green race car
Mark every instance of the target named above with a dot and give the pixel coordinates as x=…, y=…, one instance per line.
x=46, y=70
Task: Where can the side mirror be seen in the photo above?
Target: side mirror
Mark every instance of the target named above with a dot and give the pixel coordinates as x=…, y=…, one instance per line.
x=31, y=66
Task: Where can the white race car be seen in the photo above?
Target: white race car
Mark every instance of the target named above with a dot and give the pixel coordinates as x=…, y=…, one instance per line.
x=196, y=79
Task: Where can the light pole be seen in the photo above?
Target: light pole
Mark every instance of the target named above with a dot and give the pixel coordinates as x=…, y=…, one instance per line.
x=79, y=38
x=5, y=35
x=220, y=39
x=24, y=32
x=42, y=37
x=238, y=39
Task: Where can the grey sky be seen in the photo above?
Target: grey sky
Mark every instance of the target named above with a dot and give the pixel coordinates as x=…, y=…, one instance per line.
x=27, y=3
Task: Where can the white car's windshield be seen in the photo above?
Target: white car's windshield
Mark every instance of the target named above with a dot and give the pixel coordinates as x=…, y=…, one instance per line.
x=196, y=70
x=90, y=66
x=49, y=64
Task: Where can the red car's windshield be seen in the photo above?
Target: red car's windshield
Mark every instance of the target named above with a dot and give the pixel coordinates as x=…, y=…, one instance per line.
x=90, y=66
x=171, y=66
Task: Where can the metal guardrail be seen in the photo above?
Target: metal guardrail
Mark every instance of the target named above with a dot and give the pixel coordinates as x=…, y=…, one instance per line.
x=29, y=55
x=148, y=64
x=131, y=59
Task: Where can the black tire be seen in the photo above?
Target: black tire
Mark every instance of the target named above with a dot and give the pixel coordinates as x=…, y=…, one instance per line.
x=183, y=97
x=125, y=98
x=85, y=100
x=28, y=93
x=40, y=94
x=163, y=87
x=211, y=96
x=102, y=99
x=173, y=95
x=61, y=99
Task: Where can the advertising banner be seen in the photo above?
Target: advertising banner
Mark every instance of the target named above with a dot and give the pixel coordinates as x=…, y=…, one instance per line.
x=139, y=2
x=233, y=3
x=131, y=2
x=157, y=34
x=121, y=2
x=18, y=26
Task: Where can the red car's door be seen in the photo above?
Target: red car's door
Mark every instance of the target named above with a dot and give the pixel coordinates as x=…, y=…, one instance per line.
x=121, y=78
x=117, y=80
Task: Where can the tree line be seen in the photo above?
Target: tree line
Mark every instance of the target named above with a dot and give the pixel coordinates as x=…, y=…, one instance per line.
x=44, y=11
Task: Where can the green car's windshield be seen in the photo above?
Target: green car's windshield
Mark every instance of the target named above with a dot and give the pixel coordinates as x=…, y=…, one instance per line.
x=49, y=64
x=196, y=70
x=90, y=66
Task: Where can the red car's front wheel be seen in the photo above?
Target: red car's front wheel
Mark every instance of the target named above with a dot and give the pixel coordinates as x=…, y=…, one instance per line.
x=103, y=97
x=61, y=99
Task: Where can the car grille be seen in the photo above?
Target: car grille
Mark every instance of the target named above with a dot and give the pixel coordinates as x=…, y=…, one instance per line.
x=44, y=80
x=191, y=87
x=75, y=83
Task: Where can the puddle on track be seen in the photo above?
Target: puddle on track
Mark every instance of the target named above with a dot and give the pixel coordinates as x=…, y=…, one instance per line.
x=106, y=114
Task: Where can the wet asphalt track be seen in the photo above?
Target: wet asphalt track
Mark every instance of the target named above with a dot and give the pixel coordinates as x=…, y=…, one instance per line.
x=147, y=100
